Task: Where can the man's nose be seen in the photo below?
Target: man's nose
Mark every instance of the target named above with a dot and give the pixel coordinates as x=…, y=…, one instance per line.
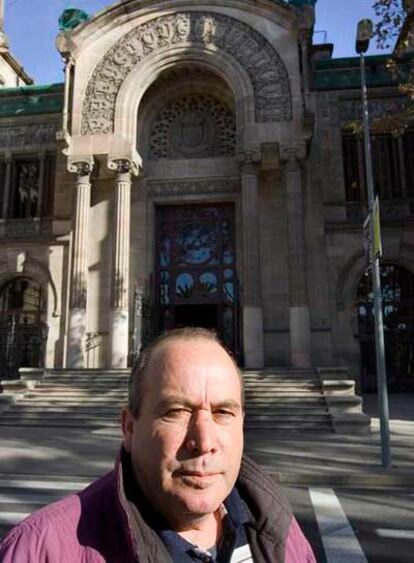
x=201, y=437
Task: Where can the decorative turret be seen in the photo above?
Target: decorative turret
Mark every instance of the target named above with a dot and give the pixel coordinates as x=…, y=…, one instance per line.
x=4, y=43
x=71, y=18
x=11, y=72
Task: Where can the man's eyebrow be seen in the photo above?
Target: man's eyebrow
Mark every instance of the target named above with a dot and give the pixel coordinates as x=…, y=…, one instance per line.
x=182, y=400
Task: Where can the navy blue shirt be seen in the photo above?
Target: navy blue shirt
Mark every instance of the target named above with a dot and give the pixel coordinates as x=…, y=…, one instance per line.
x=234, y=536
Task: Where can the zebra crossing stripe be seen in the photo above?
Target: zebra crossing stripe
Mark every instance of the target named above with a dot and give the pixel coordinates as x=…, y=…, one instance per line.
x=395, y=534
x=338, y=538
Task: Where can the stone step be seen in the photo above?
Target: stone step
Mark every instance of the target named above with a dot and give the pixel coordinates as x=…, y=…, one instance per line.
x=46, y=403
x=73, y=415
x=286, y=412
x=67, y=409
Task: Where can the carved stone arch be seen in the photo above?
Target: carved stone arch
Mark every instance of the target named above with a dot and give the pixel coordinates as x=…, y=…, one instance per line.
x=32, y=268
x=216, y=36
x=231, y=73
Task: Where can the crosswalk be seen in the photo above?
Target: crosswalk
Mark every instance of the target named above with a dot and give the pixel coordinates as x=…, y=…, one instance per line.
x=328, y=522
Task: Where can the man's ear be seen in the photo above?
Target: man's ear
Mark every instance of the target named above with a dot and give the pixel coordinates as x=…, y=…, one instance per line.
x=127, y=428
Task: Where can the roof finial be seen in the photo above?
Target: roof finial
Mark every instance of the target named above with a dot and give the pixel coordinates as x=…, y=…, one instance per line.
x=4, y=43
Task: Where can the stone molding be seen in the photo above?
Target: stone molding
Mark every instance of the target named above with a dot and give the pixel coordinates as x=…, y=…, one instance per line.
x=24, y=135
x=193, y=187
x=264, y=66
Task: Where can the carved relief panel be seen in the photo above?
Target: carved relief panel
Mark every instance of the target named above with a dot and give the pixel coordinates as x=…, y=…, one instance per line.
x=193, y=126
x=259, y=59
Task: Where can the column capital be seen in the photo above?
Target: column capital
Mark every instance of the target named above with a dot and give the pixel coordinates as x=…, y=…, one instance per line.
x=121, y=163
x=249, y=160
x=81, y=166
x=293, y=153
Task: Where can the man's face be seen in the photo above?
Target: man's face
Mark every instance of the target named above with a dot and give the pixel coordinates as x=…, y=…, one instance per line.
x=186, y=444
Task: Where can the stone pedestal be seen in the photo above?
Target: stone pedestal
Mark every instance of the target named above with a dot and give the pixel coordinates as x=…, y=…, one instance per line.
x=119, y=315
x=75, y=357
x=299, y=322
x=253, y=345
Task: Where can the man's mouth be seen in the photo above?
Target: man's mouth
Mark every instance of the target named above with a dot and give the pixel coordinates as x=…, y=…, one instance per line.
x=198, y=479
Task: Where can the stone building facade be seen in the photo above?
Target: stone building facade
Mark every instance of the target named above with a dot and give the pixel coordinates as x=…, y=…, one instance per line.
x=195, y=168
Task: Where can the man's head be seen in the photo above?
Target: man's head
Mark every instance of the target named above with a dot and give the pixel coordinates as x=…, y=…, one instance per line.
x=184, y=425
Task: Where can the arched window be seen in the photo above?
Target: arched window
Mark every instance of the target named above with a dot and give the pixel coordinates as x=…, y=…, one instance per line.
x=23, y=333
x=21, y=298
x=397, y=285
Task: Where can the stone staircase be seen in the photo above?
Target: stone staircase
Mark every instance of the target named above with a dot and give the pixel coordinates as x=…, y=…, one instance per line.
x=64, y=398
x=295, y=401
x=278, y=400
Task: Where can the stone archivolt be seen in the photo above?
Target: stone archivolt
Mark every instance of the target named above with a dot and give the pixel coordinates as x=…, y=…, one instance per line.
x=193, y=126
x=251, y=50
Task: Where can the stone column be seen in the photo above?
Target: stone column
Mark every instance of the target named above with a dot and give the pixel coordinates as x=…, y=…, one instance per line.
x=75, y=357
x=119, y=315
x=253, y=345
x=299, y=321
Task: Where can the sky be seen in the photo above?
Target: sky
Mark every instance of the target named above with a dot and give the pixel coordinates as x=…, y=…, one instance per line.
x=32, y=26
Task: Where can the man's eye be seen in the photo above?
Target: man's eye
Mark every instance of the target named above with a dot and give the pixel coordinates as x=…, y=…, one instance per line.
x=223, y=414
x=177, y=412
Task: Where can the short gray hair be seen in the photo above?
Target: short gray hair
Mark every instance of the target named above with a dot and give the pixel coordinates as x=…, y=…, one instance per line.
x=137, y=378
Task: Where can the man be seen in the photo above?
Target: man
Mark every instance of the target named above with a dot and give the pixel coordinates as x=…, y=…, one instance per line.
x=181, y=490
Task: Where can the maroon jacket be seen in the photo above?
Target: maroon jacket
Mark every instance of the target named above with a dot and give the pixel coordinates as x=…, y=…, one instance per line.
x=99, y=524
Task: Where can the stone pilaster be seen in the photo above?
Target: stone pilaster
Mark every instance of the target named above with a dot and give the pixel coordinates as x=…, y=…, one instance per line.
x=75, y=356
x=42, y=159
x=299, y=321
x=7, y=187
x=119, y=314
x=251, y=279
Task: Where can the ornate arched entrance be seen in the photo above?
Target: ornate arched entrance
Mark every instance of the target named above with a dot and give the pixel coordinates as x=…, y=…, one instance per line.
x=23, y=332
x=397, y=285
x=196, y=282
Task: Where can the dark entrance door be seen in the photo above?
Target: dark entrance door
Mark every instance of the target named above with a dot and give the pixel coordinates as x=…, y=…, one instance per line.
x=196, y=281
x=196, y=315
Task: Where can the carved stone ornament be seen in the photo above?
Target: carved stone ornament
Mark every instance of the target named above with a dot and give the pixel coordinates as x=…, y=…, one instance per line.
x=265, y=68
x=80, y=168
x=193, y=126
x=25, y=135
x=249, y=160
x=123, y=166
x=188, y=187
x=293, y=153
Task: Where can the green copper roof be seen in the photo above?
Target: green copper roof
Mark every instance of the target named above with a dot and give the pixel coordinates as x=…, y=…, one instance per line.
x=300, y=3
x=71, y=18
x=340, y=74
x=31, y=100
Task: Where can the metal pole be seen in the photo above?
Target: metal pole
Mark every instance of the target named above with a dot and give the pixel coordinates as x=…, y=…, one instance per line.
x=376, y=285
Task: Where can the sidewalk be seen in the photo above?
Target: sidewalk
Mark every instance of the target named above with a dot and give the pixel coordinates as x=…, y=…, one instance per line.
x=334, y=460
x=328, y=460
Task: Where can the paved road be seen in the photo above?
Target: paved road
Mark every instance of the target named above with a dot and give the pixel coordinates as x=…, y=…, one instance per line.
x=343, y=525
x=357, y=526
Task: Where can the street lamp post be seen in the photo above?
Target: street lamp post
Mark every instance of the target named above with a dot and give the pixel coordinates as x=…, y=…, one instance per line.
x=364, y=33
